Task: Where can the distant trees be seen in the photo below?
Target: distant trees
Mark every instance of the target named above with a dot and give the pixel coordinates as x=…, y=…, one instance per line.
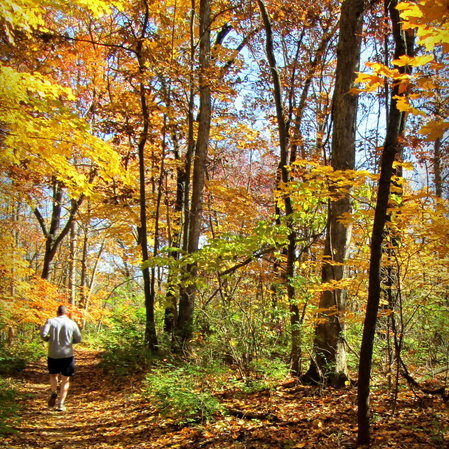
x=204, y=163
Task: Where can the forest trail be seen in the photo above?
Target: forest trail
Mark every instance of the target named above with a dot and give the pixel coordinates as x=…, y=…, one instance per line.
x=105, y=413
x=100, y=412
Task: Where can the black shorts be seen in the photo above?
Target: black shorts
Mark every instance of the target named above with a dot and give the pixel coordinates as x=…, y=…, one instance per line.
x=66, y=366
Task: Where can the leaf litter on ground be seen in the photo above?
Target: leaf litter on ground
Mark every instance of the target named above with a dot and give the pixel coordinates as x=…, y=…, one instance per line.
x=106, y=412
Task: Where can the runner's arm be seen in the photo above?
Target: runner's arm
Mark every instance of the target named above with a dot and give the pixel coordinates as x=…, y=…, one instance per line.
x=76, y=334
x=45, y=331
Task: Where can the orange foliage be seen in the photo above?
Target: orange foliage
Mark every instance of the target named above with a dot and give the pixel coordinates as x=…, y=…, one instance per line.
x=38, y=301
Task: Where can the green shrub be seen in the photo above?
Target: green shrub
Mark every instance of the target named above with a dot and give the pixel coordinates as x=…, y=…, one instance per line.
x=181, y=393
x=26, y=347
x=8, y=407
x=123, y=342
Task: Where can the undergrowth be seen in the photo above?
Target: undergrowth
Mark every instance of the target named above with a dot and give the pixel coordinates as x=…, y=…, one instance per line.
x=9, y=407
x=183, y=394
x=25, y=348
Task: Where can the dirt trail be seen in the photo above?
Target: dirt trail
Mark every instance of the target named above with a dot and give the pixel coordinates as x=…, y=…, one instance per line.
x=98, y=413
x=104, y=413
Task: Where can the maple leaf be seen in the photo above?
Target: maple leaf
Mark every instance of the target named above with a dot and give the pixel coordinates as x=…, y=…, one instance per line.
x=415, y=61
x=434, y=129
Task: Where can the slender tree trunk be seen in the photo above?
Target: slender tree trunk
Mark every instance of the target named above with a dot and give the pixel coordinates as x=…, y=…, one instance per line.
x=83, y=272
x=72, y=266
x=182, y=204
x=52, y=238
x=90, y=285
x=329, y=361
x=437, y=171
x=50, y=247
x=150, y=337
x=283, y=177
x=391, y=148
x=16, y=236
x=184, y=328
x=171, y=303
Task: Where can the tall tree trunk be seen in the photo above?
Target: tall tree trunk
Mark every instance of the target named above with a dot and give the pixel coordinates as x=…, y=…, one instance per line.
x=91, y=283
x=283, y=177
x=184, y=327
x=437, y=171
x=171, y=303
x=329, y=361
x=72, y=262
x=182, y=203
x=16, y=242
x=83, y=272
x=150, y=337
x=395, y=127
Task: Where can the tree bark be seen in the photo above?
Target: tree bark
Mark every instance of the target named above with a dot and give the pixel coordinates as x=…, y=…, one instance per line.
x=182, y=203
x=329, y=361
x=52, y=238
x=282, y=178
x=150, y=337
x=437, y=170
x=392, y=145
x=184, y=325
x=72, y=262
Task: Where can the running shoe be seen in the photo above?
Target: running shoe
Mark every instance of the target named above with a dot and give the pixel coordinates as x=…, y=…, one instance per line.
x=52, y=399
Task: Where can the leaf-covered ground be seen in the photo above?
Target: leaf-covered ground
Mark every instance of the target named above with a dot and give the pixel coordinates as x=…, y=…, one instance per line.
x=103, y=412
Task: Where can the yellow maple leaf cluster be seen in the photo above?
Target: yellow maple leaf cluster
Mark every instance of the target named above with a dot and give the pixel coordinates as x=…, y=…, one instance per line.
x=430, y=19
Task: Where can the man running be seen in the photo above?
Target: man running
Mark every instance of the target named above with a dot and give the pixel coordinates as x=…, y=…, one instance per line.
x=60, y=332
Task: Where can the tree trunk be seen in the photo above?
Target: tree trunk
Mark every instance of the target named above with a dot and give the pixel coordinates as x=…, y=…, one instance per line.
x=329, y=361
x=184, y=327
x=150, y=337
x=83, y=273
x=283, y=177
x=52, y=238
x=437, y=171
x=171, y=298
x=182, y=204
x=395, y=127
x=72, y=262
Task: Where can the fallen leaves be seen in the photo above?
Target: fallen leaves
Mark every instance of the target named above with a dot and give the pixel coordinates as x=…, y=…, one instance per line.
x=107, y=414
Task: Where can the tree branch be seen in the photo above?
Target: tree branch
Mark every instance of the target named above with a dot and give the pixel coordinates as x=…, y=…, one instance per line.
x=41, y=221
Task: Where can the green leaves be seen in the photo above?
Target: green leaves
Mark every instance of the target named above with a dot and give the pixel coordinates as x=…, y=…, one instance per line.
x=181, y=393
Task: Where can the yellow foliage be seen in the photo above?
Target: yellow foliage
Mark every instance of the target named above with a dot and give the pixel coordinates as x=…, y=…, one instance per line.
x=415, y=61
x=27, y=15
x=44, y=133
x=434, y=129
x=430, y=19
x=38, y=301
x=403, y=104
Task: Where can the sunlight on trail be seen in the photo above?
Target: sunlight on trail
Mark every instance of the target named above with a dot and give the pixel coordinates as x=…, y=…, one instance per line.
x=107, y=413
x=89, y=409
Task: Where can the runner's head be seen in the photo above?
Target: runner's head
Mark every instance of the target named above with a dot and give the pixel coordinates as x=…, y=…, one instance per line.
x=62, y=310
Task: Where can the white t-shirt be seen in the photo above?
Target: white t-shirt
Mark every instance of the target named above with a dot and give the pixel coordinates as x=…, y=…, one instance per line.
x=60, y=332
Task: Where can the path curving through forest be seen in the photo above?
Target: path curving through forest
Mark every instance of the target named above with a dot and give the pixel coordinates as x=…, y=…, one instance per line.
x=100, y=412
x=104, y=412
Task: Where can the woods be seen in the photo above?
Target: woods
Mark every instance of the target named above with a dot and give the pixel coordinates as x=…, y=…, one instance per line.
x=250, y=187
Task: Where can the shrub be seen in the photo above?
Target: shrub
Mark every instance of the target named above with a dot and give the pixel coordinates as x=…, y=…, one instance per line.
x=8, y=407
x=123, y=341
x=181, y=393
x=26, y=347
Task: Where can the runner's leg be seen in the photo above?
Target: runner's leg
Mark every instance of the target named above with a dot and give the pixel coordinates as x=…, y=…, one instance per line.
x=54, y=390
x=54, y=382
x=65, y=383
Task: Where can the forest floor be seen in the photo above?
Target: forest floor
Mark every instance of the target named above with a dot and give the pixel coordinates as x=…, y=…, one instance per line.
x=103, y=412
